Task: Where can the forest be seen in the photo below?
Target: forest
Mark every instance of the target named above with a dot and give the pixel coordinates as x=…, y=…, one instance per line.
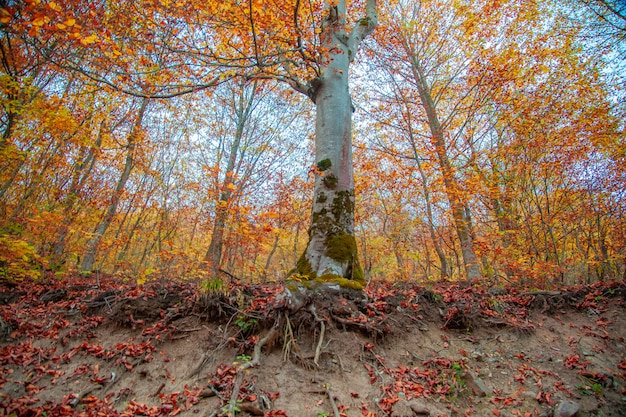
x=150, y=139
x=347, y=208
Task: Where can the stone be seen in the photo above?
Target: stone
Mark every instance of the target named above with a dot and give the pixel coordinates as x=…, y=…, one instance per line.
x=476, y=385
x=420, y=410
x=566, y=409
x=415, y=407
x=531, y=395
x=402, y=409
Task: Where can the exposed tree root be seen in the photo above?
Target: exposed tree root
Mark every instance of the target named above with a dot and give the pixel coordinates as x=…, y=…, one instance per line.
x=318, y=349
x=241, y=372
x=365, y=326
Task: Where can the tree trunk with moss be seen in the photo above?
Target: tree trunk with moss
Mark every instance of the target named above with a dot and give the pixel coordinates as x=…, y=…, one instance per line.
x=331, y=253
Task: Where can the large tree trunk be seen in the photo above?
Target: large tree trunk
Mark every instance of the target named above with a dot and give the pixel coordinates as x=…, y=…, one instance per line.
x=92, y=246
x=331, y=252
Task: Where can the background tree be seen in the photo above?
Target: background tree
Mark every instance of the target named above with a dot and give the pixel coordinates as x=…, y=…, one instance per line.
x=134, y=136
x=248, y=127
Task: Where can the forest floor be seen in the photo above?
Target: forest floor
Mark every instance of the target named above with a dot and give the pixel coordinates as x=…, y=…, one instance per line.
x=116, y=349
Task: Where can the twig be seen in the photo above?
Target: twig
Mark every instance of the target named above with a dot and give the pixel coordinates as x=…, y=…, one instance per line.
x=536, y=293
x=184, y=336
x=106, y=300
x=231, y=276
x=365, y=326
x=332, y=403
x=112, y=382
x=156, y=394
x=197, y=369
x=341, y=364
x=206, y=356
x=197, y=329
x=83, y=394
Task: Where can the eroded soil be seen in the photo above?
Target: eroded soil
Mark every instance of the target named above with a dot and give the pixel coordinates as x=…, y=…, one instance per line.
x=399, y=350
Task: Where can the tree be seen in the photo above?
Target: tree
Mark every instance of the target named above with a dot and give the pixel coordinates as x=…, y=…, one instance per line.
x=134, y=136
x=426, y=61
x=199, y=47
x=500, y=122
x=245, y=132
x=243, y=106
x=332, y=251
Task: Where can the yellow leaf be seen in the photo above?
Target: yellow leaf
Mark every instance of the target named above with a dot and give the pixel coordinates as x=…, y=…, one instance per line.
x=54, y=6
x=61, y=26
x=70, y=22
x=89, y=39
x=40, y=21
x=5, y=16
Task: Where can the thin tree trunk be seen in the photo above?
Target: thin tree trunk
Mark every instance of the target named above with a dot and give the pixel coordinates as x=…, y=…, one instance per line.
x=213, y=255
x=92, y=246
x=457, y=206
x=443, y=261
x=80, y=176
x=270, y=256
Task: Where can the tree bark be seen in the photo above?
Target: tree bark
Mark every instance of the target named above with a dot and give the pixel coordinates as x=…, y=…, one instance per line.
x=92, y=246
x=443, y=261
x=81, y=173
x=457, y=206
x=213, y=255
x=331, y=252
x=445, y=269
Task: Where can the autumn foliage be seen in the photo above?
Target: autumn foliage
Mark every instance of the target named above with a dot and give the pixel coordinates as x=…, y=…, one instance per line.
x=119, y=124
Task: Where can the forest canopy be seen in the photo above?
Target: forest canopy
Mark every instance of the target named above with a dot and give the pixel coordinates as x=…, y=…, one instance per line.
x=488, y=139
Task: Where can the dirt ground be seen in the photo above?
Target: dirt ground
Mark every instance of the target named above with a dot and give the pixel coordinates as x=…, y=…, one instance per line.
x=275, y=350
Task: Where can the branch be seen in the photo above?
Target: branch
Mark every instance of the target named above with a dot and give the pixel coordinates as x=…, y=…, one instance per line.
x=292, y=82
x=296, y=10
x=179, y=90
x=333, y=404
x=362, y=28
x=256, y=47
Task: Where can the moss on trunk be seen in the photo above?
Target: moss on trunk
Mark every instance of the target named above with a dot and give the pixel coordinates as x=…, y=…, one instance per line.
x=339, y=243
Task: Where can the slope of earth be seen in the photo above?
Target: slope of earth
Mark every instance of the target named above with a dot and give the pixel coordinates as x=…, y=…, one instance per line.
x=115, y=349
